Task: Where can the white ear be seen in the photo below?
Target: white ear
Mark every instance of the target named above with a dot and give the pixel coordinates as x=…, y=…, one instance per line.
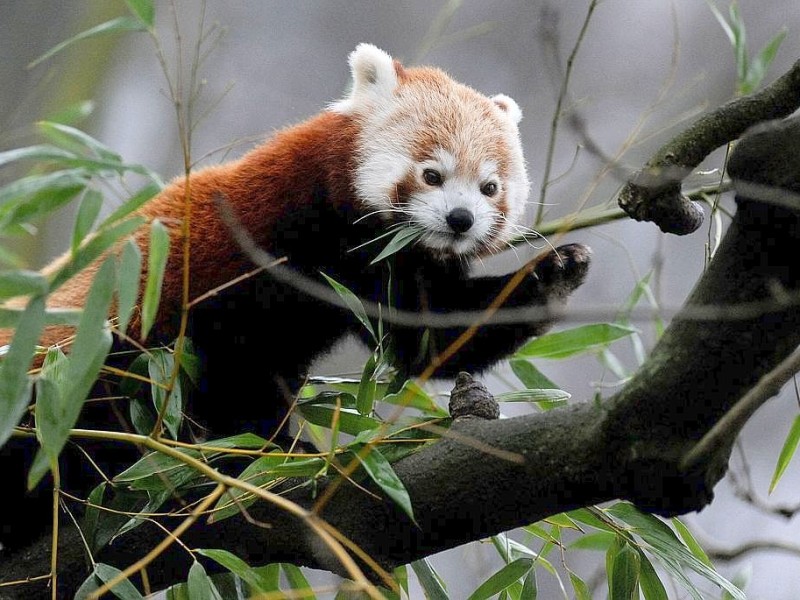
x=508, y=106
x=373, y=71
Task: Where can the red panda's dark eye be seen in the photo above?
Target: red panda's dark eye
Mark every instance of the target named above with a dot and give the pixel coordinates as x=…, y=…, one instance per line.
x=432, y=177
x=489, y=189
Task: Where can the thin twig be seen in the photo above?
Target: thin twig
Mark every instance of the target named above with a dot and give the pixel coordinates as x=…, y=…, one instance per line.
x=562, y=94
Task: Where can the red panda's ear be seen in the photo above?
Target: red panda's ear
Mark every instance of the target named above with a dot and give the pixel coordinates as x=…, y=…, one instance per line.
x=508, y=106
x=374, y=77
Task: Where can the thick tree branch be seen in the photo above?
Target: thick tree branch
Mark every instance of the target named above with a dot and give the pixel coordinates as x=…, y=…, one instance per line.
x=630, y=446
x=654, y=192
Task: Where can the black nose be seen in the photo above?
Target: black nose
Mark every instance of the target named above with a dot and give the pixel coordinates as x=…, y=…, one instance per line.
x=460, y=219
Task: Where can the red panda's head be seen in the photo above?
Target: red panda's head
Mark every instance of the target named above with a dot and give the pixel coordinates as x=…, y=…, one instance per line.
x=436, y=154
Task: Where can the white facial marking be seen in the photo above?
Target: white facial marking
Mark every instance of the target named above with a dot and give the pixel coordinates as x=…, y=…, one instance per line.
x=468, y=139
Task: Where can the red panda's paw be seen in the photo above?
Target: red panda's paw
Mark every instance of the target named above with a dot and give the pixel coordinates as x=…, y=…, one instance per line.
x=562, y=270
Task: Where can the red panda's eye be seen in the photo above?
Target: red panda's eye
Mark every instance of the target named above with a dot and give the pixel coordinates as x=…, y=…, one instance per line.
x=489, y=189
x=432, y=177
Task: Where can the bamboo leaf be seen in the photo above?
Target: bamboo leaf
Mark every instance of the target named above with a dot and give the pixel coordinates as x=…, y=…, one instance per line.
x=103, y=574
x=365, y=400
x=160, y=367
x=22, y=283
x=760, y=64
x=787, y=453
x=130, y=270
x=401, y=239
x=144, y=11
x=429, y=580
x=43, y=152
x=382, y=473
x=651, y=585
x=353, y=303
x=503, y=579
x=624, y=581
x=15, y=386
x=573, y=341
x=117, y=25
x=158, y=253
x=199, y=584
x=349, y=422
x=297, y=581
x=531, y=377
x=88, y=211
x=237, y=566
x=133, y=203
x=93, y=247
x=411, y=395
x=259, y=472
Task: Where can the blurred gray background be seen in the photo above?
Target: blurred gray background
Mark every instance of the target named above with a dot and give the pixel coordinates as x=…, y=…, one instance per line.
x=279, y=62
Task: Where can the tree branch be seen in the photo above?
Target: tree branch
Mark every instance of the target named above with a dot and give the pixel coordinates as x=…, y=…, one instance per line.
x=654, y=192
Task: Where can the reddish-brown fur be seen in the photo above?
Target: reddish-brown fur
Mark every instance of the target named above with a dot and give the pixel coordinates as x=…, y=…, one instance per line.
x=261, y=187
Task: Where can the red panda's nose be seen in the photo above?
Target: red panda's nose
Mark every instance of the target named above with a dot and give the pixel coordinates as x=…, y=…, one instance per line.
x=460, y=219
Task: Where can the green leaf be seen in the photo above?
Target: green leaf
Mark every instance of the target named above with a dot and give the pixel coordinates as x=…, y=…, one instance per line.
x=691, y=542
x=130, y=271
x=22, y=283
x=77, y=141
x=102, y=574
x=579, y=585
x=92, y=249
x=599, y=540
x=624, y=580
x=144, y=11
x=651, y=585
x=52, y=429
x=87, y=215
x=91, y=516
x=573, y=341
x=259, y=472
x=787, y=453
x=429, y=580
x=58, y=406
x=411, y=395
x=133, y=203
x=297, y=581
x=552, y=396
x=353, y=303
x=113, y=26
x=43, y=152
x=199, y=584
x=529, y=587
x=37, y=195
x=760, y=64
x=382, y=473
x=365, y=400
x=402, y=239
x=722, y=22
x=238, y=567
x=505, y=577
x=15, y=386
x=531, y=377
x=349, y=422
x=93, y=338
x=158, y=253
x=668, y=548
x=73, y=113
x=160, y=367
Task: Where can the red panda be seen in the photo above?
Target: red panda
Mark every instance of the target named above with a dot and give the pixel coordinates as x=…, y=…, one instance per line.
x=405, y=146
